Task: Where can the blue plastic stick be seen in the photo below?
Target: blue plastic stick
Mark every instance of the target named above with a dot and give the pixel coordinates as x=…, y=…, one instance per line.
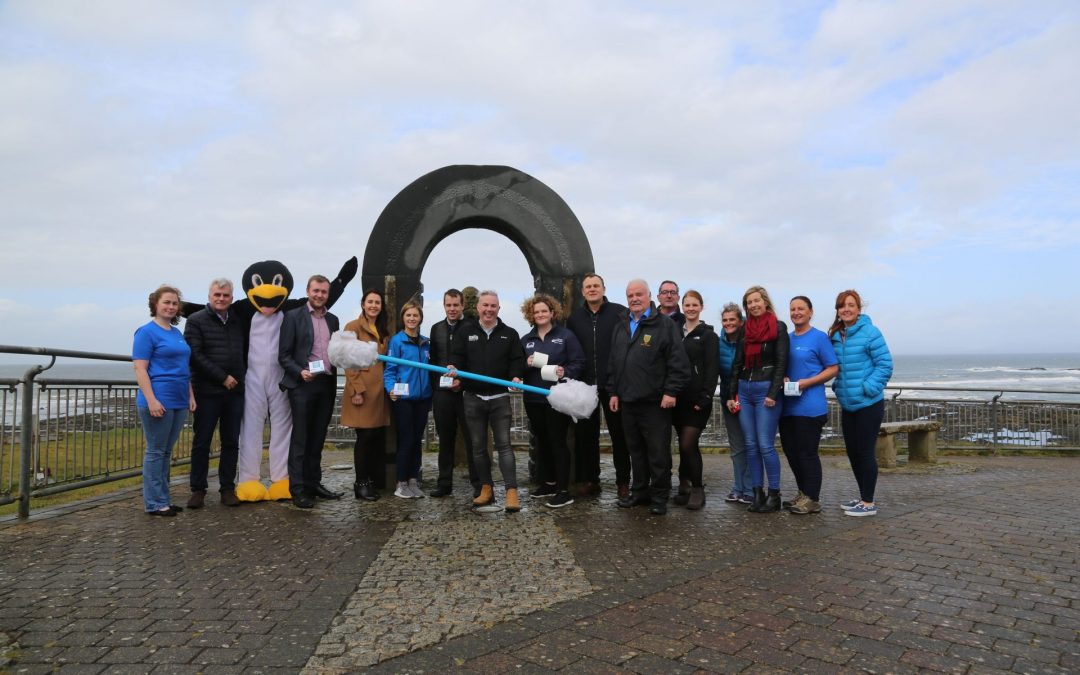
x=464, y=374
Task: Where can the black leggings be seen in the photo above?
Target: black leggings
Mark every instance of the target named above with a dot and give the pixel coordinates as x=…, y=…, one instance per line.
x=367, y=453
x=801, y=437
x=860, y=437
x=690, y=464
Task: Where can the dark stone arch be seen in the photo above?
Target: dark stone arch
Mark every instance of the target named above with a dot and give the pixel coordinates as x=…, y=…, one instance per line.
x=497, y=198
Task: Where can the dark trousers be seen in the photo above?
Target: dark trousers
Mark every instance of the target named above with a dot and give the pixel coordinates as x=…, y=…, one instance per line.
x=587, y=445
x=410, y=416
x=648, y=439
x=480, y=415
x=312, y=406
x=368, y=454
x=801, y=437
x=550, y=428
x=448, y=409
x=221, y=410
x=860, y=438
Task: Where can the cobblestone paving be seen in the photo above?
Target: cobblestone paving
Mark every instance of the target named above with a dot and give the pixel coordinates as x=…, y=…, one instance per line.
x=430, y=583
x=974, y=569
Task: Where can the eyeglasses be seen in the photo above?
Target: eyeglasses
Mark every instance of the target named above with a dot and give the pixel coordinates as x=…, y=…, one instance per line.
x=669, y=292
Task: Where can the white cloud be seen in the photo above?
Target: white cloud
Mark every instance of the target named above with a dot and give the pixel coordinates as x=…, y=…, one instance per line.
x=728, y=145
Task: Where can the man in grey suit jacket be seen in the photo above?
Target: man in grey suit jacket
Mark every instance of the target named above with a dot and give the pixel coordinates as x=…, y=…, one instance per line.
x=312, y=385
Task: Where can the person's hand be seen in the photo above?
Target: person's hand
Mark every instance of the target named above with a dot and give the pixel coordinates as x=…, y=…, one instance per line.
x=667, y=402
x=191, y=404
x=456, y=386
x=393, y=396
x=769, y=402
x=529, y=360
x=230, y=382
x=451, y=371
x=560, y=372
x=697, y=407
x=357, y=399
x=613, y=404
x=156, y=409
x=306, y=375
x=731, y=406
x=803, y=385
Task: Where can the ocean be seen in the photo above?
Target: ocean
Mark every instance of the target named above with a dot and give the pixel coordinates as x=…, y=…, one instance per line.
x=1056, y=374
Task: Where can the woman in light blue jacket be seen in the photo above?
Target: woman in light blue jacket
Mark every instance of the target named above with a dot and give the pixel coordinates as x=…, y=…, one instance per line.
x=410, y=395
x=865, y=368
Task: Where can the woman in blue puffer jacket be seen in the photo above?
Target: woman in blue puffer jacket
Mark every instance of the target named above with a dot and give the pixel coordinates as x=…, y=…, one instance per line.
x=410, y=393
x=865, y=368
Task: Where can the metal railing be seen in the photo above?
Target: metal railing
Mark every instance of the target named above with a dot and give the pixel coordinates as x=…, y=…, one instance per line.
x=58, y=435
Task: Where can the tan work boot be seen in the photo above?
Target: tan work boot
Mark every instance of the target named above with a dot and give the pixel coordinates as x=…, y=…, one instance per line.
x=486, y=497
x=513, y=503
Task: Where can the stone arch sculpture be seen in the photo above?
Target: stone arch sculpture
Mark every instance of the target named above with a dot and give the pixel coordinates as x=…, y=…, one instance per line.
x=497, y=198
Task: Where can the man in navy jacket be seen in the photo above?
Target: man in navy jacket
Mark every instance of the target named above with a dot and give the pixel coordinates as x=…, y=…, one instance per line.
x=592, y=324
x=311, y=381
x=647, y=371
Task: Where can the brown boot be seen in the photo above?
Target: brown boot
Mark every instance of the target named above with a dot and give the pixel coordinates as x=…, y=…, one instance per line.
x=684, y=492
x=196, y=500
x=486, y=496
x=228, y=498
x=513, y=504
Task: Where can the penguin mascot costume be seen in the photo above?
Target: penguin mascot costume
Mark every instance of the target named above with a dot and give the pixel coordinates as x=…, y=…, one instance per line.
x=267, y=285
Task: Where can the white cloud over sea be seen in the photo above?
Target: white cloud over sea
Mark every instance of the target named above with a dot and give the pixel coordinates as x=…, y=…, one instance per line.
x=922, y=152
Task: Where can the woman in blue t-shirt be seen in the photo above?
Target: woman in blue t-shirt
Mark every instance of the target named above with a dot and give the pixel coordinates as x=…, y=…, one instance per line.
x=161, y=360
x=811, y=363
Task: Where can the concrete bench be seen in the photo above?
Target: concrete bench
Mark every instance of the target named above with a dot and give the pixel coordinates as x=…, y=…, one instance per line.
x=922, y=442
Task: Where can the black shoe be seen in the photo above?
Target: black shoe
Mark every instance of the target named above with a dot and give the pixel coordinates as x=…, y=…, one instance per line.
x=442, y=492
x=560, y=500
x=302, y=501
x=759, y=500
x=365, y=490
x=544, y=490
x=175, y=509
x=631, y=501
x=772, y=502
x=167, y=513
x=322, y=492
x=658, y=509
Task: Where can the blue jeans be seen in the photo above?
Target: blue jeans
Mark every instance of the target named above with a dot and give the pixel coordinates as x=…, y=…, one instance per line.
x=410, y=415
x=759, y=426
x=737, y=442
x=161, y=435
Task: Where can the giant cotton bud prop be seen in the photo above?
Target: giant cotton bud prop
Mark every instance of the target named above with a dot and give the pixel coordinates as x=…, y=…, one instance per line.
x=573, y=398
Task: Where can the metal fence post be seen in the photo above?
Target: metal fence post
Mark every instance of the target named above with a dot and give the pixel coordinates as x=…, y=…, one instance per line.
x=994, y=422
x=27, y=436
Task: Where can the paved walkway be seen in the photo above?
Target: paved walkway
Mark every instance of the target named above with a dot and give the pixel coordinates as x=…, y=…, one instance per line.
x=972, y=568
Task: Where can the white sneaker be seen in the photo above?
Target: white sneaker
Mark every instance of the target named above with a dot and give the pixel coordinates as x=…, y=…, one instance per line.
x=403, y=491
x=414, y=489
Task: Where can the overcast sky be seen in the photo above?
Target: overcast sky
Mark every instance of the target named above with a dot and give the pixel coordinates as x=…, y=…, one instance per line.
x=925, y=153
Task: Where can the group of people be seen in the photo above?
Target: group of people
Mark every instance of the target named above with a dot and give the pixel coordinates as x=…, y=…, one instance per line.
x=656, y=366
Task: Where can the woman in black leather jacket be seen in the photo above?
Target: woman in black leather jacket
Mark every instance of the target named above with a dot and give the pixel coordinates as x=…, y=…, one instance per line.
x=757, y=393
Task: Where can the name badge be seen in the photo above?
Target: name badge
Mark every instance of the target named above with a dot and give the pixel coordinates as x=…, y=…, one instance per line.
x=316, y=367
x=446, y=382
x=401, y=389
x=792, y=389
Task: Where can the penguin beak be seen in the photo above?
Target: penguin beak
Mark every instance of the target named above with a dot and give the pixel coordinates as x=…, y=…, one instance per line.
x=267, y=298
